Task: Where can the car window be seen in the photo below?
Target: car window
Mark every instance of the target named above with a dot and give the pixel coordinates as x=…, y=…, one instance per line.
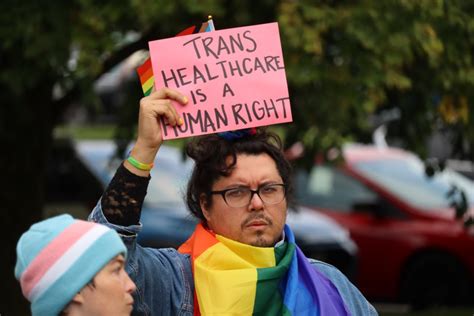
x=462, y=182
x=406, y=178
x=327, y=187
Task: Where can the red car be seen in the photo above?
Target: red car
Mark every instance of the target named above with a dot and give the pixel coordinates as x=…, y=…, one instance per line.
x=413, y=226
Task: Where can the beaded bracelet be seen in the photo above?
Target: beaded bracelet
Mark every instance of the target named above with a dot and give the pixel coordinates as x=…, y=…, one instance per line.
x=139, y=165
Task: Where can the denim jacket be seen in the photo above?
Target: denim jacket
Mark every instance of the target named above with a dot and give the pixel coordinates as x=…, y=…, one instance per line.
x=165, y=283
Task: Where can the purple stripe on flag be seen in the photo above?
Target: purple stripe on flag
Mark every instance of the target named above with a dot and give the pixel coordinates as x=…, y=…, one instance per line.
x=306, y=290
x=325, y=294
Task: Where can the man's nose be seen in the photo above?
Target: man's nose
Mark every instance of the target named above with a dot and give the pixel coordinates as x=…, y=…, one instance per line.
x=256, y=202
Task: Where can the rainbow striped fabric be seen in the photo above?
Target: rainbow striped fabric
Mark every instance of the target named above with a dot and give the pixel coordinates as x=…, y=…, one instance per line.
x=145, y=71
x=232, y=278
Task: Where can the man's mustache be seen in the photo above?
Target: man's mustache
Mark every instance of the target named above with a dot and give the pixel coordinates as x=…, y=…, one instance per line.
x=254, y=217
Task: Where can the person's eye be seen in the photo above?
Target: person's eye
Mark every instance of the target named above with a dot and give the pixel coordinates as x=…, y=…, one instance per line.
x=236, y=193
x=118, y=269
x=268, y=189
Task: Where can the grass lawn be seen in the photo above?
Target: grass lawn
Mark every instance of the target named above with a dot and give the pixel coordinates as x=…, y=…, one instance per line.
x=102, y=131
x=92, y=132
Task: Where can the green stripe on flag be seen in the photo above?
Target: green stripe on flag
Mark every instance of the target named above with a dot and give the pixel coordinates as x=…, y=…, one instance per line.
x=268, y=299
x=147, y=93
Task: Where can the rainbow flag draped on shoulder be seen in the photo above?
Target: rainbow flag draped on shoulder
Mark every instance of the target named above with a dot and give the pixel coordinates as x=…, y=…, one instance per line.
x=232, y=278
x=145, y=71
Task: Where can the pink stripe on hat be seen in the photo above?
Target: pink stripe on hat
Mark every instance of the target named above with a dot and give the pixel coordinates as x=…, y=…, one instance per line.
x=52, y=253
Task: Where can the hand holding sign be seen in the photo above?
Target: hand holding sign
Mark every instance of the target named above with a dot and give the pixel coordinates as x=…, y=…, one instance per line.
x=235, y=79
x=155, y=108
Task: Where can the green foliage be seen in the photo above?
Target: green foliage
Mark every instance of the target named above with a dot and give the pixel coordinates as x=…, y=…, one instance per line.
x=347, y=60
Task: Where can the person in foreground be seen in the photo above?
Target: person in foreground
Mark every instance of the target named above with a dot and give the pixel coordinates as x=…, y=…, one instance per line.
x=73, y=267
x=241, y=259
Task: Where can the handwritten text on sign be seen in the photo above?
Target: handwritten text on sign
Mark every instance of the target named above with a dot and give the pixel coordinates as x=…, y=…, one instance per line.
x=234, y=79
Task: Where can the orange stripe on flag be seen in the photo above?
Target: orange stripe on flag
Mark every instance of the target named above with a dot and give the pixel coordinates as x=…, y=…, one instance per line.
x=144, y=67
x=207, y=240
x=146, y=75
x=148, y=84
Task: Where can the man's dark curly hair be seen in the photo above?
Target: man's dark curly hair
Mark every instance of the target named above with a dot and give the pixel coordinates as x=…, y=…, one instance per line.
x=210, y=154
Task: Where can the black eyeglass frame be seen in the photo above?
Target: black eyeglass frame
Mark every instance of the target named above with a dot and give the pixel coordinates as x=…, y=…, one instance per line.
x=253, y=192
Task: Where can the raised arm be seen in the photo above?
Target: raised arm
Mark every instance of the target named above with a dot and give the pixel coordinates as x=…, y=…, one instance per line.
x=122, y=200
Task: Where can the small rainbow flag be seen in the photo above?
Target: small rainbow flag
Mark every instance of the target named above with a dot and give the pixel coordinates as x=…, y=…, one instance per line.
x=145, y=71
x=233, y=278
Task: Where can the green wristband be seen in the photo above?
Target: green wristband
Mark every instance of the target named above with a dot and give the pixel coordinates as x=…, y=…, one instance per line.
x=139, y=165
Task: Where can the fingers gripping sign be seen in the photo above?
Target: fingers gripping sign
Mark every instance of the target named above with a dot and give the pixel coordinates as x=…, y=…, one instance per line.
x=153, y=108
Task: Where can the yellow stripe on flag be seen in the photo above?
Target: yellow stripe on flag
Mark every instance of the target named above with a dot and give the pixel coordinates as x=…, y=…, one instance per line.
x=256, y=257
x=148, y=84
x=226, y=283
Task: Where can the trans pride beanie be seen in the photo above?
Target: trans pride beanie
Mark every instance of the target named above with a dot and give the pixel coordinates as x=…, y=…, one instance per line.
x=57, y=257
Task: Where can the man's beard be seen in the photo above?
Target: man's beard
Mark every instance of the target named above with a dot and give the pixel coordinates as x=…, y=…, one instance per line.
x=261, y=241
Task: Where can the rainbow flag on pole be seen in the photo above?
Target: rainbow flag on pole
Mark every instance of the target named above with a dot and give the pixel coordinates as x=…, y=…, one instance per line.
x=232, y=278
x=145, y=71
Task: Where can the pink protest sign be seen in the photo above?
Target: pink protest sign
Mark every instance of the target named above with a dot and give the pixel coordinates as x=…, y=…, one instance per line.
x=234, y=79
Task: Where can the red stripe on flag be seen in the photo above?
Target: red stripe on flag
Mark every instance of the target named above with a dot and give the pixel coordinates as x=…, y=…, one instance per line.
x=147, y=75
x=144, y=67
x=189, y=30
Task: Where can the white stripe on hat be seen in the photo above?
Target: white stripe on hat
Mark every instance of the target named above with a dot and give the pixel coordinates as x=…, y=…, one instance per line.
x=61, y=266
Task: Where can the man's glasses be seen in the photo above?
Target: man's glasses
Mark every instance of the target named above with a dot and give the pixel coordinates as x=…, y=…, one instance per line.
x=241, y=196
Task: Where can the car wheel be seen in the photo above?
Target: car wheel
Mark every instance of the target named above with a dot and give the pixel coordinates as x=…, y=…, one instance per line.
x=434, y=279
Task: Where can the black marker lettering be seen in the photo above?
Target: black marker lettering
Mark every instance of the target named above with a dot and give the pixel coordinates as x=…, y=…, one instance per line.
x=254, y=44
x=235, y=69
x=196, y=120
x=198, y=75
x=270, y=108
x=196, y=50
x=206, y=42
x=202, y=95
x=247, y=70
x=172, y=78
x=248, y=112
x=258, y=65
x=221, y=63
x=278, y=63
x=227, y=89
x=222, y=46
x=268, y=62
x=235, y=111
x=208, y=123
x=209, y=75
x=182, y=76
x=221, y=117
x=283, y=103
x=234, y=43
x=259, y=109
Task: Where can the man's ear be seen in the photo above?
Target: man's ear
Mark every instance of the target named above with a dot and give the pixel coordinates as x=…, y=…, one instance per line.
x=204, y=206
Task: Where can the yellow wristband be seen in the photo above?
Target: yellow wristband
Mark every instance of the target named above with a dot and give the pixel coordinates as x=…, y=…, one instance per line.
x=139, y=165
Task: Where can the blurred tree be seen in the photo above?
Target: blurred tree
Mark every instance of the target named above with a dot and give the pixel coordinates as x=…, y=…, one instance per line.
x=348, y=60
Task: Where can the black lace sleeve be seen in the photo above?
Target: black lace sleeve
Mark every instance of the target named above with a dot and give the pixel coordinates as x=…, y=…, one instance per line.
x=123, y=199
